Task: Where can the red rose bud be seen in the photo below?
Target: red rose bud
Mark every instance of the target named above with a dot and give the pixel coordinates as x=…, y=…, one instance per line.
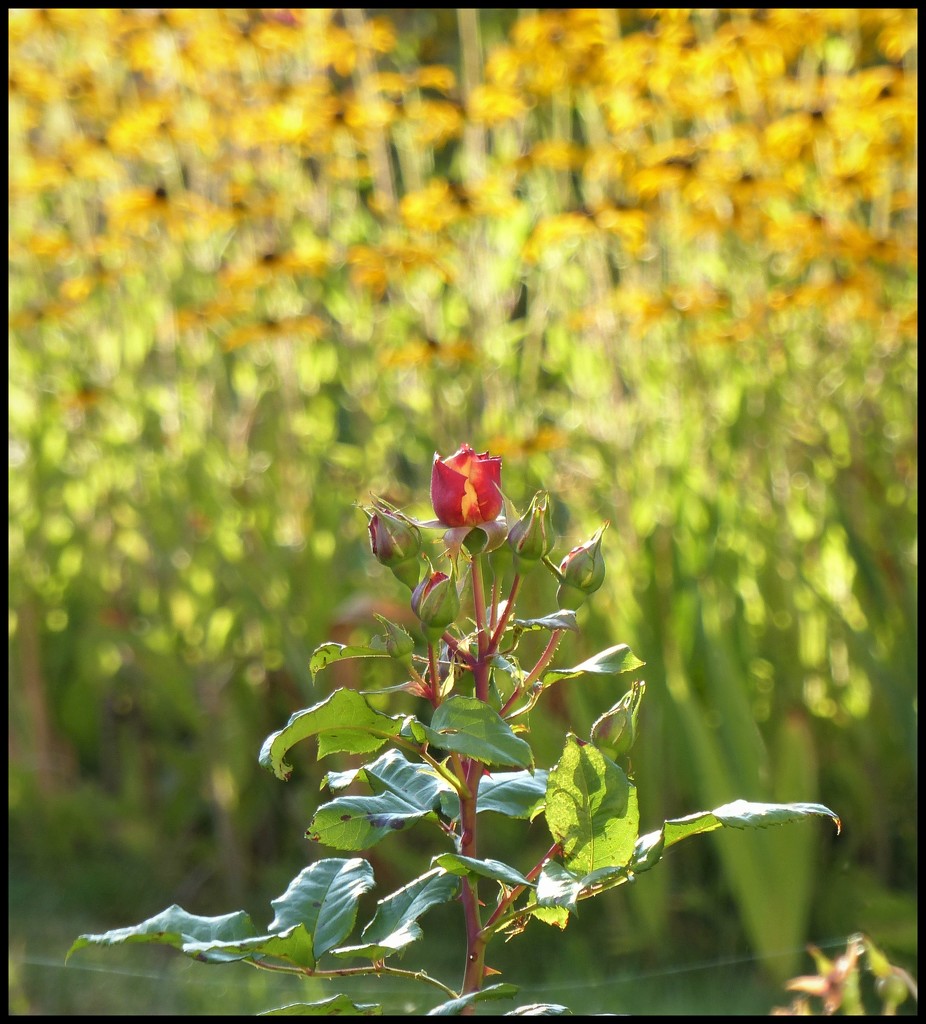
x=531, y=537
x=395, y=543
x=436, y=603
x=616, y=730
x=466, y=488
x=581, y=572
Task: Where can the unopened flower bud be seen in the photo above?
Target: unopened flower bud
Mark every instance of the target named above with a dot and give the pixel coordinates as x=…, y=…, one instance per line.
x=531, y=537
x=616, y=730
x=395, y=543
x=396, y=641
x=436, y=603
x=581, y=572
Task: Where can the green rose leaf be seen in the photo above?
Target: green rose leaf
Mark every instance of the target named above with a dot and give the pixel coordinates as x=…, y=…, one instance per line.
x=359, y=822
x=293, y=946
x=334, y=1005
x=328, y=653
x=467, y=726
x=565, y=618
x=392, y=773
x=613, y=661
x=741, y=814
x=323, y=897
x=315, y=913
x=394, y=926
x=404, y=793
x=343, y=723
x=591, y=809
x=744, y=814
x=558, y=887
x=514, y=794
x=174, y=927
x=467, y=867
x=540, y=1010
x=375, y=951
x=453, y=1007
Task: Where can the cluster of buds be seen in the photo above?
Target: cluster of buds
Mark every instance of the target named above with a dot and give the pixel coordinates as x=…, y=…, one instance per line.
x=468, y=505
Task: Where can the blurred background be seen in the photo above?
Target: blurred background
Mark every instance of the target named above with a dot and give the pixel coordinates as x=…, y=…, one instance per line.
x=266, y=262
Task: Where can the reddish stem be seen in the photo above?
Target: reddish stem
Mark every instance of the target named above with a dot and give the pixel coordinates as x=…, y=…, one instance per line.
x=475, y=938
x=499, y=630
x=545, y=658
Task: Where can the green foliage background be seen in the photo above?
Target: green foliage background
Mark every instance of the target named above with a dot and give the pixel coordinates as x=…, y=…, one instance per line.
x=662, y=262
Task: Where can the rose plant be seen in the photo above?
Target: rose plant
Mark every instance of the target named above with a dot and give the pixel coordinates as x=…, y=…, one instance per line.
x=471, y=753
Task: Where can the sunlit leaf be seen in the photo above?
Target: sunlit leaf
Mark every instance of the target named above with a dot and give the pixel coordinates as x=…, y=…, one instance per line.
x=591, y=809
x=344, y=722
x=472, y=866
x=174, y=927
x=468, y=726
x=328, y=653
x=557, y=886
x=744, y=814
x=540, y=1010
x=396, y=914
x=565, y=618
x=339, y=1005
x=454, y=1007
x=323, y=897
x=359, y=822
x=612, y=661
x=392, y=772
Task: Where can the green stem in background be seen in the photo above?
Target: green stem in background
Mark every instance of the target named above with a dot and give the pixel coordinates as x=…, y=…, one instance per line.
x=545, y=658
x=434, y=690
x=495, y=921
x=493, y=603
x=351, y=972
x=506, y=615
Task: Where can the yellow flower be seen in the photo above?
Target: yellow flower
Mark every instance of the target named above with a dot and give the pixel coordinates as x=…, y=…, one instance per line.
x=432, y=208
x=136, y=211
x=556, y=230
x=433, y=122
x=37, y=314
x=52, y=246
x=363, y=116
x=491, y=196
x=90, y=159
x=421, y=351
x=544, y=439
x=215, y=312
x=376, y=267
x=436, y=77
x=309, y=259
x=667, y=168
x=143, y=130
x=899, y=37
x=292, y=328
x=492, y=105
x=555, y=154
x=79, y=288
x=630, y=226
